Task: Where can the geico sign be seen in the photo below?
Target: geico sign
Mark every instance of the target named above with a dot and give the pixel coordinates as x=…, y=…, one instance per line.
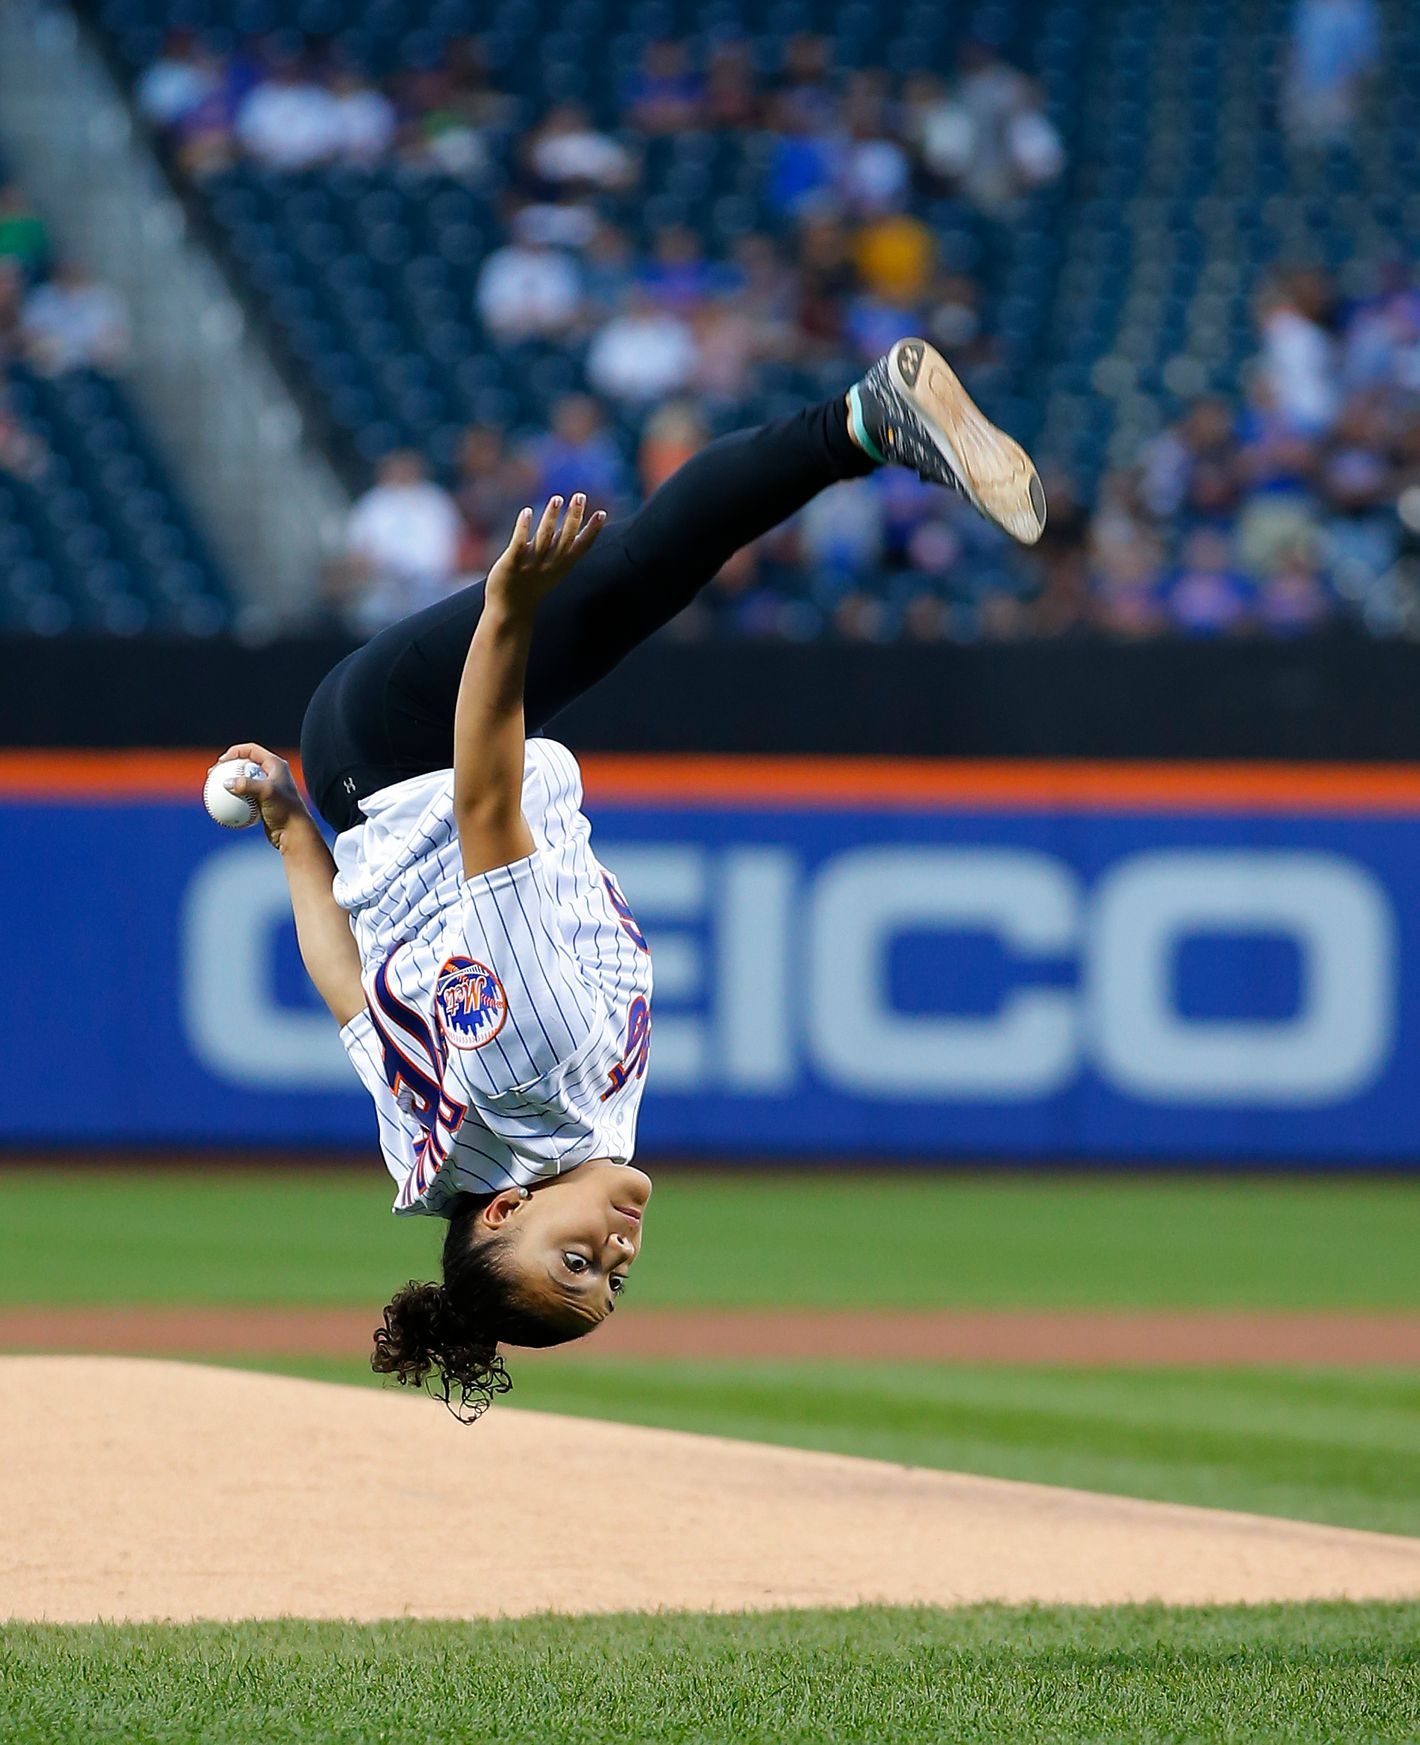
x=767, y=969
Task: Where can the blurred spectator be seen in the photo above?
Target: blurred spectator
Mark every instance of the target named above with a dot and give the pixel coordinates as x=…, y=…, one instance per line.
x=491, y=488
x=1381, y=340
x=22, y=454
x=362, y=118
x=764, y=286
x=443, y=133
x=403, y=538
x=873, y=323
x=12, y=293
x=1207, y=595
x=861, y=617
x=1277, y=465
x=1033, y=142
x=22, y=233
x=841, y=534
x=731, y=95
x=672, y=434
x=1357, y=487
x=728, y=344
x=804, y=165
x=926, y=618
x=641, y=355
x=202, y=135
x=567, y=154
x=665, y=95
x=527, y=288
x=1059, y=565
x=939, y=128
x=991, y=136
x=1294, y=600
x=955, y=323
x=826, y=281
x=72, y=323
x=873, y=169
x=803, y=93
x=577, y=454
x=1191, y=468
x=467, y=92
x=608, y=270
x=178, y=81
x=678, y=276
x=1125, y=589
x=1299, y=358
x=1334, y=49
x=289, y=121
x=895, y=256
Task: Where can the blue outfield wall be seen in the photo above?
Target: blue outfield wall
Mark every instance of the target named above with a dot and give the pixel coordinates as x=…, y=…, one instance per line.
x=1072, y=980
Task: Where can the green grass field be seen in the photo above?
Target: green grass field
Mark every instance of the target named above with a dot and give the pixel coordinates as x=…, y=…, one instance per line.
x=1329, y=1445
x=919, y=1241
x=1142, y=1674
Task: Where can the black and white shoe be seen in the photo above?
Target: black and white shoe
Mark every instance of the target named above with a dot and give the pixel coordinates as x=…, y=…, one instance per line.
x=911, y=411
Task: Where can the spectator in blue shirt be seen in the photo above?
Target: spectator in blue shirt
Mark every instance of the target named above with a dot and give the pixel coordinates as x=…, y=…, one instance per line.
x=1334, y=49
x=578, y=454
x=1207, y=595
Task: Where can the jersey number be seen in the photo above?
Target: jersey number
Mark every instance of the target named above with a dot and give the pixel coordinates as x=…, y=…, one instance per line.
x=414, y=1089
x=638, y=1048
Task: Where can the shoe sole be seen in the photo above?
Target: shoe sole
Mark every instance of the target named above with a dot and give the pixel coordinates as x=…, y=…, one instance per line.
x=994, y=472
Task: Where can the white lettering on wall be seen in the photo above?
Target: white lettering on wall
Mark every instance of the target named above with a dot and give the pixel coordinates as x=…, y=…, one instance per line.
x=865, y=899
x=234, y=911
x=773, y=975
x=1331, y=1048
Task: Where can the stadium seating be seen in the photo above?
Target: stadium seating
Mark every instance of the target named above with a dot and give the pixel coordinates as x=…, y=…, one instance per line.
x=99, y=539
x=1105, y=292
x=1116, y=295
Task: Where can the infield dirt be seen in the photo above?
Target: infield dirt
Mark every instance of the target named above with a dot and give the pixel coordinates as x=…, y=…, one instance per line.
x=144, y=1490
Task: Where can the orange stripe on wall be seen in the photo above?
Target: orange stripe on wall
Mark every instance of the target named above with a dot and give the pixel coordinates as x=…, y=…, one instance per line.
x=820, y=782
x=103, y=775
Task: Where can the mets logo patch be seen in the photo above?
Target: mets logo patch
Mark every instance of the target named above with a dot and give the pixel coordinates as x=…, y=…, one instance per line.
x=470, y=1001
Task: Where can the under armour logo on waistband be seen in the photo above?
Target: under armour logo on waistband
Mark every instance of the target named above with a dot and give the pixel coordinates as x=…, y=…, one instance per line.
x=349, y=784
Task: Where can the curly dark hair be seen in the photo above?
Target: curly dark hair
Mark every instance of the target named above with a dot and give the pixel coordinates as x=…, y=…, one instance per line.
x=448, y=1334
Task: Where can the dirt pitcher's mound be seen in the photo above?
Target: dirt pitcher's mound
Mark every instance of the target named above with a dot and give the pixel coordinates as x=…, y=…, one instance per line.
x=155, y=1490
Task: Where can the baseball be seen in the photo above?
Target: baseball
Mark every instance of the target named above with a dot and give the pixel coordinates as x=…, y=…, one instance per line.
x=233, y=811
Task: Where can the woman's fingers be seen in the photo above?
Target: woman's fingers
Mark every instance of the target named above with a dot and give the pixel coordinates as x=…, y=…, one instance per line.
x=547, y=527
x=587, y=537
x=567, y=534
x=518, y=539
x=258, y=754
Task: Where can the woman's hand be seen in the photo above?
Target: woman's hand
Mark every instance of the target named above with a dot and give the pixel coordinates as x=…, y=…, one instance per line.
x=530, y=568
x=274, y=791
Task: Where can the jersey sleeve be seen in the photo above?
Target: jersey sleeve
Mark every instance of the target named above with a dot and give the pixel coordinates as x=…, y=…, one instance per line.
x=400, y=1133
x=511, y=997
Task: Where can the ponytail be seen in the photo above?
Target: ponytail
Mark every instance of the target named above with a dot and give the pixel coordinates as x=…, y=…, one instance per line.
x=447, y=1335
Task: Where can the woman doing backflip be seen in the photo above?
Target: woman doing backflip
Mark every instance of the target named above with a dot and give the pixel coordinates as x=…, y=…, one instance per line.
x=491, y=984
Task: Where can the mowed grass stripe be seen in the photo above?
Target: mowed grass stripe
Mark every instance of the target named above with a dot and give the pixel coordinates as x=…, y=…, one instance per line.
x=985, y=1675
x=1337, y=1447
x=843, y=1240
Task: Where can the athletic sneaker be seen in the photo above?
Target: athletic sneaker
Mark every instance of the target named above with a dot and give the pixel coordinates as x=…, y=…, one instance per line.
x=911, y=411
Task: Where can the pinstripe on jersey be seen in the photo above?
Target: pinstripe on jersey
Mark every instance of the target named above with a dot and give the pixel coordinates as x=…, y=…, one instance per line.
x=507, y=1015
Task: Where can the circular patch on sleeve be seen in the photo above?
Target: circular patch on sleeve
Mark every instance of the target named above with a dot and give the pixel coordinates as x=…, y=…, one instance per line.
x=470, y=1001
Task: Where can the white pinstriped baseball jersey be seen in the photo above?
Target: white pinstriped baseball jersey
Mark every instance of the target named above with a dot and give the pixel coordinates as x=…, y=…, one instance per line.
x=507, y=1020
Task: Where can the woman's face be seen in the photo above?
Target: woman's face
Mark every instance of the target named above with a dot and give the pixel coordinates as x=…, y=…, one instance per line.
x=571, y=1244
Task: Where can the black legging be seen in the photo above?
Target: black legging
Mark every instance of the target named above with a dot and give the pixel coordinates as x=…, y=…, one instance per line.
x=386, y=711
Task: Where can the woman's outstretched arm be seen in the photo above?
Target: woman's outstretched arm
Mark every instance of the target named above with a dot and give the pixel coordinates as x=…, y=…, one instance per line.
x=328, y=947
x=489, y=729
